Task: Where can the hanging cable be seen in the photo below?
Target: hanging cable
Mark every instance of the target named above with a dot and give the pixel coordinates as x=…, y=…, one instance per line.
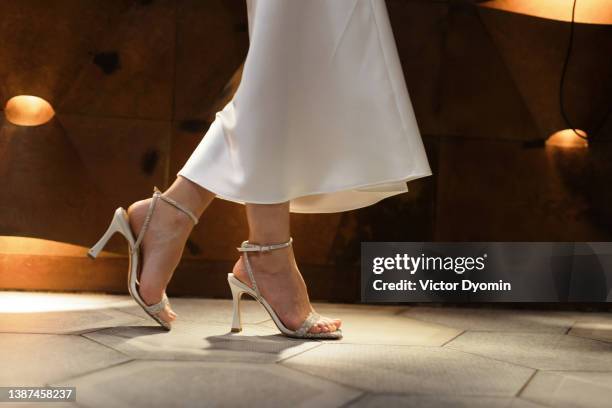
x=593, y=132
x=568, y=54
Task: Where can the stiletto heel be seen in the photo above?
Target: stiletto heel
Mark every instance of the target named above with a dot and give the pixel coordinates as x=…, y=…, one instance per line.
x=236, y=296
x=121, y=223
x=238, y=288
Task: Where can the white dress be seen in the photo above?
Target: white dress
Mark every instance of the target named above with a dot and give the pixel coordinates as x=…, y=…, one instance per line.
x=322, y=116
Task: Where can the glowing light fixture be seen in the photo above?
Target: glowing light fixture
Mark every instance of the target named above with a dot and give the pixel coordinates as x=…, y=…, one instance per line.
x=16, y=245
x=28, y=110
x=587, y=11
x=15, y=253
x=568, y=138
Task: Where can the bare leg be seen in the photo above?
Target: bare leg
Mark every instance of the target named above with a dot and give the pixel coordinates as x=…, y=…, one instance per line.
x=164, y=241
x=276, y=272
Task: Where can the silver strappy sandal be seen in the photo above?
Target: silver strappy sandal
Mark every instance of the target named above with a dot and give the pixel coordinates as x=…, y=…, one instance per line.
x=120, y=223
x=238, y=289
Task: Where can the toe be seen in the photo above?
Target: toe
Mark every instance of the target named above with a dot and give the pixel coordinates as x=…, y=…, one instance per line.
x=329, y=324
x=315, y=329
x=319, y=327
x=333, y=324
x=169, y=315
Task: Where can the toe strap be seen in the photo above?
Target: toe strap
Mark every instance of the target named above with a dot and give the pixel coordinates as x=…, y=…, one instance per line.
x=310, y=321
x=158, y=307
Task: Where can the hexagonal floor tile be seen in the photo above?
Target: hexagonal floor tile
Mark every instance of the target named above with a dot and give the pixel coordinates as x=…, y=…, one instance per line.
x=55, y=313
x=37, y=359
x=570, y=389
x=343, y=308
x=378, y=328
x=39, y=405
x=418, y=401
x=542, y=351
x=73, y=322
x=201, y=341
x=594, y=326
x=217, y=311
x=407, y=369
x=541, y=321
x=190, y=384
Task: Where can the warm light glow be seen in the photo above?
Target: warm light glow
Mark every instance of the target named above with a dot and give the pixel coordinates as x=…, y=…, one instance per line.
x=567, y=138
x=36, y=302
x=587, y=11
x=28, y=110
x=37, y=246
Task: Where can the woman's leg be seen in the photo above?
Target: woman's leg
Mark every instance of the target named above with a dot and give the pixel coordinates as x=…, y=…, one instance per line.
x=163, y=243
x=276, y=272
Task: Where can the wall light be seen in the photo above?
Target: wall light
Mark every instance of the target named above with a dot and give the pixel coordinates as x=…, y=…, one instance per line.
x=28, y=110
x=587, y=11
x=16, y=245
x=568, y=138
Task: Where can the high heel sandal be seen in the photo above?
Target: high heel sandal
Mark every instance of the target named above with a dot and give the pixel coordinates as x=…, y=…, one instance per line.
x=120, y=223
x=238, y=289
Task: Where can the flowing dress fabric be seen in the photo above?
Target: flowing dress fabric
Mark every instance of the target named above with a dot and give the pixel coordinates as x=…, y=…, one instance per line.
x=322, y=116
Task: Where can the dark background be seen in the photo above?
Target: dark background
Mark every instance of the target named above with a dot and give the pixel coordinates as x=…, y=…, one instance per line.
x=135, y=85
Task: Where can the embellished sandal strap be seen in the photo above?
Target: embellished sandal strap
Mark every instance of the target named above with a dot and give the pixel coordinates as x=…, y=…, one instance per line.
x=251, y=276
x=178, y=205
x=157, y=194
x=248, y=247
x=145, y=225
x=310, y=321
x=158, y=307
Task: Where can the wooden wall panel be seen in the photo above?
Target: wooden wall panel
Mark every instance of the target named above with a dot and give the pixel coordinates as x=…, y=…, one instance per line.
x=136, y=85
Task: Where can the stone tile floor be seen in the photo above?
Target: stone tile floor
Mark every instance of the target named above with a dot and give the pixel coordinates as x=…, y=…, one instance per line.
x=390, y=356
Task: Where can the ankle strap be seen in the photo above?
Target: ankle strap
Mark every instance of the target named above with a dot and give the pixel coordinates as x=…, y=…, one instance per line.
x=248, y=247
x=181, y=207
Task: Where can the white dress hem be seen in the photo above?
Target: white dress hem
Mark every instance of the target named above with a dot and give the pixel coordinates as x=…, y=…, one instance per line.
x=375, y=198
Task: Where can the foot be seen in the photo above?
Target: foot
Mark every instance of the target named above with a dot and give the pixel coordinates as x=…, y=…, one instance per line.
x=281, y=284
x=161, y=249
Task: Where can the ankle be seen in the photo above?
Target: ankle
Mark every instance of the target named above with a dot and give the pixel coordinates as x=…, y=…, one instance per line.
x=273, y=262
x=190, y=195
